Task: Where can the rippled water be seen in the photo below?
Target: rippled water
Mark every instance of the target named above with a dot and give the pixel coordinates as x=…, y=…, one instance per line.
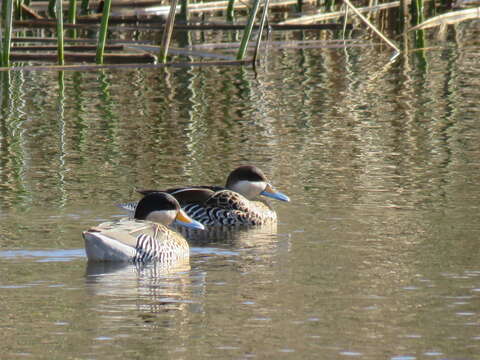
x=376, y=257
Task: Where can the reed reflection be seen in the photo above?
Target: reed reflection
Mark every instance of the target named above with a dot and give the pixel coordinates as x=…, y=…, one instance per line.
x=12, y=143
x=62, y=139
x=79, y=120
x=109, y=117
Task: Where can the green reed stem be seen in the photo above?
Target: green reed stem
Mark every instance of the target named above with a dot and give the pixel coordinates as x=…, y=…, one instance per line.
x=17, y=12
x=299, y=5
x=230, y=10
x=51, y=8
x=102, y=38
x=72, y=16
x=7, y=39
x=84, y=7
x=167, y=32
x=60, y=52
x=4, y=10
x=417, y=12
x=247, y=33
x=184, y=10
x=329, y=4
x=418, y=18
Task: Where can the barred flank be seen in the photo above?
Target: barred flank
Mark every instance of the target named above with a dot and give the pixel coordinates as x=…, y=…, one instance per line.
x=148, y=249
x=212, y=215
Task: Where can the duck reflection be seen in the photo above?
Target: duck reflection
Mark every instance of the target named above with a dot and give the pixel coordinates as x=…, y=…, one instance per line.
x=236, y=236
x=152, y=289
x=169, y=294
x=98, y=269
x=246, y=249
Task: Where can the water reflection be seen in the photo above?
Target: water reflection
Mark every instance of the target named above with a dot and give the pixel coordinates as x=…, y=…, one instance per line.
x=62, y=139
x=79, y=118
x=158, y=288
x=12, y=144
x=231, y=235
x=376, y=257
x=147, y=288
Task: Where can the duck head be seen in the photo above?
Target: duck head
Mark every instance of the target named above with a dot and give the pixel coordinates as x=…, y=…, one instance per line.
x=164, y=209
x=251, y=182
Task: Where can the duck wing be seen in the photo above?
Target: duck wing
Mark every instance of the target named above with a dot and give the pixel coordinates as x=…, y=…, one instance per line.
x=181, y=188
x=229, y=200
x=184, y=195
x=134, y=240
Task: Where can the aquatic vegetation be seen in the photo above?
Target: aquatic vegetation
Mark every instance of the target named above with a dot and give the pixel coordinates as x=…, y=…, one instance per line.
x=95, y=18
x=102, y=38
x=59, y=15
x=7, y=17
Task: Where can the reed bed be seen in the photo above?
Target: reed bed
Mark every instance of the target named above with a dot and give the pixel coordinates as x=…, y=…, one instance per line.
x=94, y=15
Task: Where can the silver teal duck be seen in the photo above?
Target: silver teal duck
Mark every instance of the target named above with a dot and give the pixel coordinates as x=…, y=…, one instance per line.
x=144, y=238
x=237, y=203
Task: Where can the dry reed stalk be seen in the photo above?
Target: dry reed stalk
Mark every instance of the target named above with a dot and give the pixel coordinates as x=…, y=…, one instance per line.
x=375, y=30
x=167, y=33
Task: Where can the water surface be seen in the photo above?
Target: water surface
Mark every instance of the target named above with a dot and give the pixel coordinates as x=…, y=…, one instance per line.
x=376, y=256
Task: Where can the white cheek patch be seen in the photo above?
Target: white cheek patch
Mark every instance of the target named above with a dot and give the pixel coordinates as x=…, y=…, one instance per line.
x=249, y=189
x=164, y=217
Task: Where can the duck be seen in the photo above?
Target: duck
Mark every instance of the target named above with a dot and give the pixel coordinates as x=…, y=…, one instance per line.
x=145, y=237
x=237, y=203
